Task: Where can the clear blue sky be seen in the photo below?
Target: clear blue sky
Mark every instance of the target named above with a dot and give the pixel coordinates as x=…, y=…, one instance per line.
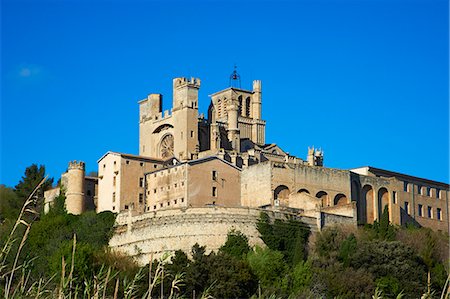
x=367, y=80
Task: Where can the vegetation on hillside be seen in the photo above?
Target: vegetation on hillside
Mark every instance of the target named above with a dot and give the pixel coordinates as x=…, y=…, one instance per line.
x=66, y=256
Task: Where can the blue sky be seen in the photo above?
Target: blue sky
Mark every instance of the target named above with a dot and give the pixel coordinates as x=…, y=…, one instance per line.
x=367, y=81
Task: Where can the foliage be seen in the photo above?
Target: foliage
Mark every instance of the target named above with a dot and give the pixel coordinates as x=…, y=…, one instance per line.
x=230, y=277
x=236, y=245
x=220, y=275
x=289, y=237
x=83, y=259
x=9, y=204
x=347, y=249
x=198, y=271
x=33, y=175
x=329, y=245
x=301, y=277
x=391, y=259
x=383, y=229
x=343, y=282
x=268, y=265
x=55, y=230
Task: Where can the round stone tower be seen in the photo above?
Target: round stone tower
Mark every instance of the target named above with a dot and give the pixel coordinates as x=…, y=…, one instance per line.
x=74, y=184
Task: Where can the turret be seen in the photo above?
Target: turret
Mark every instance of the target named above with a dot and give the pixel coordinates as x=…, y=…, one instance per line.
x=185, y=93
x=233, y=129
x=185, y=118
x=256, y=99
x=315, y=157
x=73, y=181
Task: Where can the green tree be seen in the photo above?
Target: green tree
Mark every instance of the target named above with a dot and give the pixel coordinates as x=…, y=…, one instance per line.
x=58, y=207
x=328, y=244
x=57, y=227
x=236, y=245
x=301, y=277
x=33, y=176
x=347, y=249
x=289, y=237
x=337, y=281
x=394, y=260
x=268, y=265
x=9, y=204
x=198, y=271
x=84, y=261
x=230, y=277
x=384, y=229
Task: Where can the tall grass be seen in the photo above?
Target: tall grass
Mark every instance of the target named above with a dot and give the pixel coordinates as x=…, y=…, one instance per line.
x=18, y=282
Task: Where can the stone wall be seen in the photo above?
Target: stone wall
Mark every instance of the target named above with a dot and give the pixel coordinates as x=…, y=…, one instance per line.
x=154, y=233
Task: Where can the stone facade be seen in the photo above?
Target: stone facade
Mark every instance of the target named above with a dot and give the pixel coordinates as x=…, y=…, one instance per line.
x=80, y=190
x=197, y=177
x=152, y=234
x=121, y=181
x=197, y=183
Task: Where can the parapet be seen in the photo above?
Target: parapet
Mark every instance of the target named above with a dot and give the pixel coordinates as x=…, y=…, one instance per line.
x=182, y=82
x=257, y=85
x=76, y=165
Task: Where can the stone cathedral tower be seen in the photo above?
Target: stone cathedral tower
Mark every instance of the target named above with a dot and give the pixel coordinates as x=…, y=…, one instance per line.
x=172, y=134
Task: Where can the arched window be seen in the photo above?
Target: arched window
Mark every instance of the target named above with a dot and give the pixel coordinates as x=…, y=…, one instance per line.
x=323, y=196
x=383, y=200
x=219, y=108
x=247, y=107
x=240, y=105
x=367, y=211
x=340, y=199
x=281, y=195
x=225, y=112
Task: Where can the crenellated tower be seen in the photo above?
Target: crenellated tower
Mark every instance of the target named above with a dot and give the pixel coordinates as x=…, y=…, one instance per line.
x=174, y=133
x=73, y=181
x=315, y=157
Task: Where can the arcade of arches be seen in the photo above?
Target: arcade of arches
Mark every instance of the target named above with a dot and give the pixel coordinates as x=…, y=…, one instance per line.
x=370, y=203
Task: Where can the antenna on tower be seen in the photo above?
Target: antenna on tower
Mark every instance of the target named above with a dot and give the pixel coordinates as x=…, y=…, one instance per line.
x=235, y=78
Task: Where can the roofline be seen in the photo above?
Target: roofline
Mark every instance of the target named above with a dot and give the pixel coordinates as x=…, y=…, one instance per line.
x=406, y=177
x=234, y=88
x=130, y=156
x=194, y=162
x=210, y=158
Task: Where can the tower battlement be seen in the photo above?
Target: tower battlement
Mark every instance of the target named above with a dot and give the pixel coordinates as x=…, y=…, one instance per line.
x=257, y=85
x=76, y=165
x=182, y=82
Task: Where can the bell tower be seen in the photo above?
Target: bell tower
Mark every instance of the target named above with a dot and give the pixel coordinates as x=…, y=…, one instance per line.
x=185, y=118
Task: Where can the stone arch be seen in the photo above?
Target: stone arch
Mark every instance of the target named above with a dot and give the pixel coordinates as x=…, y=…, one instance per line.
x=323, y=196
x=367, y=205
x=240, y=105
x=383, y=200
x=162, y=128
x=340, y=199
x=247, y=106
x=303, y=190
x=281, y=193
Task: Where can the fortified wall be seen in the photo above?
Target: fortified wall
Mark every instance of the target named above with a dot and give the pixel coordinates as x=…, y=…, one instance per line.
x=153, y=233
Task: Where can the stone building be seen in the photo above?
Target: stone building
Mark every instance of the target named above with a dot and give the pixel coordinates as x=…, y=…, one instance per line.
x=199, y=169
x=80, y=190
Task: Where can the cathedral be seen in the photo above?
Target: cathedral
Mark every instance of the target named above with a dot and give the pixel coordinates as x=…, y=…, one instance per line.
x=196, y=177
